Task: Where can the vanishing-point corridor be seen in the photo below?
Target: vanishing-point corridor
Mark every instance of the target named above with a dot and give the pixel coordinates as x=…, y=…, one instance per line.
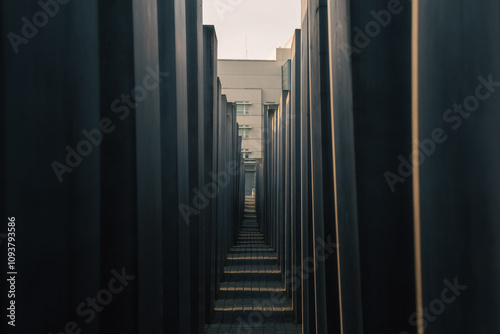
x=252, y=297
x=348, y=185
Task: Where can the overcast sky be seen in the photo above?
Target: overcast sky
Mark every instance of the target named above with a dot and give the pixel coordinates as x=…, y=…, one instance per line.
x=268, y=24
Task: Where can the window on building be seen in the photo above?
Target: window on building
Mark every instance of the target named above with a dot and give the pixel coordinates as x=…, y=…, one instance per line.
x=242, y=107
x=245, y=133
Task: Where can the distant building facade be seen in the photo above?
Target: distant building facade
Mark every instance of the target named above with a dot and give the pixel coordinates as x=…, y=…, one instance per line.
x=252, y=84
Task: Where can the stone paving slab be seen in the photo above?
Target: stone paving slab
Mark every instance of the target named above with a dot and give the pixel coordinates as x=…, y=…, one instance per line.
x=252, y=298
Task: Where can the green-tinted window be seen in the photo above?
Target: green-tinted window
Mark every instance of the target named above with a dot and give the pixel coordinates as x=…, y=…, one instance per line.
x=244, y=133
x=242, y=108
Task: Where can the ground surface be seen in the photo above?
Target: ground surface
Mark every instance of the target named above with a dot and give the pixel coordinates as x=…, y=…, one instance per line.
x=252, y=296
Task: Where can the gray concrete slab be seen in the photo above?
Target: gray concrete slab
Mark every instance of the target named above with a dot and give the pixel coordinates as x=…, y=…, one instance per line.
x=328, y=298
x=295, y=172
x=50, y=94
x=210, y=111
x=459, y=180
x=175, y=186
x=382, y=131
x=308, y=296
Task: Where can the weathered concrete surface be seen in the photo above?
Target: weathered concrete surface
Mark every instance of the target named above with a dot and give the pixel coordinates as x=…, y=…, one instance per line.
x=295, y=171
x=371, y=81
x=459, y=179
x=344, y=167
x=210, y=113
x=323, y=210
x=50, y=94
x=308, y=295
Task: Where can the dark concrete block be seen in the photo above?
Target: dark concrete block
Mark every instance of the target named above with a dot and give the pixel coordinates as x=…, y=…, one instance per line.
x=295, y=171
x=381, y=121
x=174, y=148
x=308, y=295
x=459, y=180
x=287, y=198
x=210, y=112
x=118, y=176
x=45, y=108
x=195, y=82
x=149, y=209
x=328, y=298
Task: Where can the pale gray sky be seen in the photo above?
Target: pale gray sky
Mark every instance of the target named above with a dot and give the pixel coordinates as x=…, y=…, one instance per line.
x=268, y=24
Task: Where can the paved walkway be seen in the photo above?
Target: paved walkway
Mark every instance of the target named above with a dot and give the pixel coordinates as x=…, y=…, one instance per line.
x=252, y=298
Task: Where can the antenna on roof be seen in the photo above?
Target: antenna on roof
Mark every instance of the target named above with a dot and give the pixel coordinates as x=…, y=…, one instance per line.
x=246, y=47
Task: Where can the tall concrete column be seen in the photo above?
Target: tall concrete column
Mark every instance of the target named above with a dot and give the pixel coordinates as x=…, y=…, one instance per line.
x=149, y=209
x=195, y=91
x=218, y=198
x=50, y=94
x=174, y=148
x=308, y=296
x=210, y=112
x=267, y=142
x=458, y=179
x=323, y=206
x=377, y=46
x=295, y=104
x=222, y=198
x=281, y=180
x=342, y=119
x=122, y=94
x=288, y=197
